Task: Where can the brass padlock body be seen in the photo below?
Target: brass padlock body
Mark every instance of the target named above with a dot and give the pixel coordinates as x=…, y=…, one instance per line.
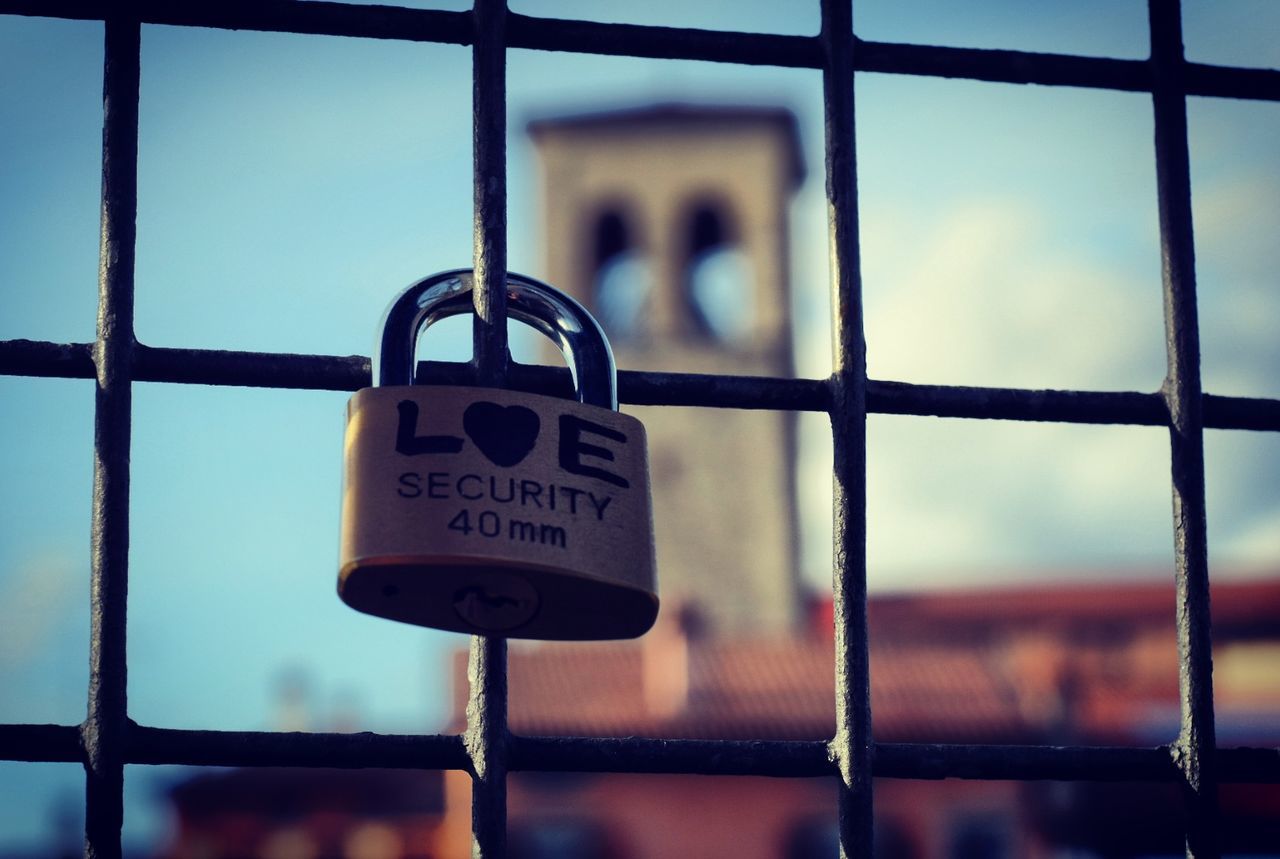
x=497, y=512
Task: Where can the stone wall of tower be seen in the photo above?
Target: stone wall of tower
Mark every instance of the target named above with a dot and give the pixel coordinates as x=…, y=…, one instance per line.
x=723, y=480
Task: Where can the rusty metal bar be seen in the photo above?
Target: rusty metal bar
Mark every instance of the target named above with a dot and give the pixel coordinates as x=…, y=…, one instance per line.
x=788, y=759
x=851, y=747
x=630, y=40
x=1064, y=763
x=486, y=741
x=635, y=40
x=1195, y=745
x=103, y=731
x=1090, y=407
x=51, y=743
x=351, y=372
x=1246, y=413
x=1082, y=407
x=1023, y=67
x=1244, y=765
x=489, y=213
x=252, y=369
x=997, y=66
x=486, y=733
x=276, y=749
x=779, y=759
x=798, y=759
x=1230, y=82
x=280, y=16
x=1024, y=763
x=47, y=360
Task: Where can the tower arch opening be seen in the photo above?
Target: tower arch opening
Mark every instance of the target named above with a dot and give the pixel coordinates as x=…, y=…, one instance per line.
x=716, y=277
x=620, y=277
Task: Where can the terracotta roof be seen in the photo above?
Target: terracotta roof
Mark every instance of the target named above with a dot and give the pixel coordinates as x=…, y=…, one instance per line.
x=943, y=694
x=1074, y=663
x=1236, y=604
x=754, y=689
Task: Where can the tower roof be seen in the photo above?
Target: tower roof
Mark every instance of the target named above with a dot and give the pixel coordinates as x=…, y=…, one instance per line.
x=663, y=116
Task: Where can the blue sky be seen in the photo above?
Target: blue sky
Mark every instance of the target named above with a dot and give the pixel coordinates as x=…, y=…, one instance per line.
x=289, y=186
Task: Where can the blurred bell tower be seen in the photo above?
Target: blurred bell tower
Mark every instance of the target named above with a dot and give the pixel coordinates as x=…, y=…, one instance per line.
x=669, y=223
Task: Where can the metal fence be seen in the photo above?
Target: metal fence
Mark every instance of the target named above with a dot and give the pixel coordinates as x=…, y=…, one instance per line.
x=108, y=739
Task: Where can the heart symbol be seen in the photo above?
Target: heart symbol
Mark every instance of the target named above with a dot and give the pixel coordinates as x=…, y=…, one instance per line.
x=504, y=434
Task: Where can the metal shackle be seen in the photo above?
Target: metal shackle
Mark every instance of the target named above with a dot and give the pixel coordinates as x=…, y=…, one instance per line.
x=540, y=306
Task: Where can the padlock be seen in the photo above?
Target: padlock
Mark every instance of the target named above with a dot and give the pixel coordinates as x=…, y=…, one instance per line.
x=490, y=511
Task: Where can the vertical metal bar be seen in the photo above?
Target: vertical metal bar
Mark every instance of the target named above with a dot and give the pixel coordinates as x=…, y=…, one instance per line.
x=852, y=744
x=1195, y=747
x=489, y=152
x=486, y=735
x=486, y=742
x=103, y=731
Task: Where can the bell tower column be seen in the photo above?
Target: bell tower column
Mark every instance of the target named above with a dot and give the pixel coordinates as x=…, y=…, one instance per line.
x=670, y=224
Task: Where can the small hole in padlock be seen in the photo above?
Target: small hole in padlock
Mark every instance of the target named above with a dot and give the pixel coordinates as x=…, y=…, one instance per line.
x=391, y=590
x=450, y=341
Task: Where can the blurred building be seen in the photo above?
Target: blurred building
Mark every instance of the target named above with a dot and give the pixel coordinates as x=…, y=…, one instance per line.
x=297, y=813
x=670, y=224
x=1080, y=664
x=1050, y=664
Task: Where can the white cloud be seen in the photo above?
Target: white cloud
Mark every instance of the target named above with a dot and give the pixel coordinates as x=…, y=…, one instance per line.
x=1237, y=219
x=36, y=601
x=981, y=293
x=1254, y=546
x=985, y=295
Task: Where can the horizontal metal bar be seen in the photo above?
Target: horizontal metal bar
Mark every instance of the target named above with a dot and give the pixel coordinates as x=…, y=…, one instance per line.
x=1093, y=407
x=1083, y=407
x=635, y=40
x=58, y=743
x=592, y=37
x=984, y=762
x=45, y=743
x=49, y=360
x=794, y=759
x=1248, y=765
x=1024, y=67
x=267, y=749
x=252, y=369
x=1017, y=67
x=1247, y=413
x=280, y=16
x=1063, y=763
x=349, y=373
x=731, y=392
x=1231, y=82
